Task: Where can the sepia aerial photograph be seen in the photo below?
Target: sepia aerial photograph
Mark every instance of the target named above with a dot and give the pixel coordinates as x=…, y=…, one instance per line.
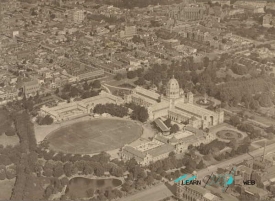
x=137, y=100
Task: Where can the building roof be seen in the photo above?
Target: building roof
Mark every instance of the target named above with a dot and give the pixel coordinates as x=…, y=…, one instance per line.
x=145, y=98
x=198, y=189
x=166, y=148
x=144, y=92
x=160, y=106
x=161, y=138
x=134, y=151
x=173, y=83
x=255, y=190
x=244, y=169
x=194, y=130
x=210, y=196
x=30, y=83
x=161, y=125
x=193, y=109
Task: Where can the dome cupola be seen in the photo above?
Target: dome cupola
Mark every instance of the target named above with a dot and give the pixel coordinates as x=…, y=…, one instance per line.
x=173, y=89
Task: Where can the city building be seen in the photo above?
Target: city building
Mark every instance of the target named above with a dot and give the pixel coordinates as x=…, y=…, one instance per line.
x=251, y=6
x=194, y=192
x=255, y=192
x=243, y=173
x=65, y=111
x=147, y=153
x=78, y=16
x=188, y=12
x=31, y=88
x=268, y=20
x=165, y=143
x=128, y=32
x=175, y=105
x=221, y=2
x=81, y=70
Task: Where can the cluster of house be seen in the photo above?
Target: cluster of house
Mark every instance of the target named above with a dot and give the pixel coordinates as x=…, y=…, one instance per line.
x=59, y=42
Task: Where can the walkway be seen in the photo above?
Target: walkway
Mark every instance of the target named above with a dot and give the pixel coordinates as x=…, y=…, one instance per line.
x=123, y=88
x=107, y=89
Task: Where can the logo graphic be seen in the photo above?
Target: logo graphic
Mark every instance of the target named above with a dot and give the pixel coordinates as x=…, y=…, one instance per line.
x=181, y=178
x=223, y=180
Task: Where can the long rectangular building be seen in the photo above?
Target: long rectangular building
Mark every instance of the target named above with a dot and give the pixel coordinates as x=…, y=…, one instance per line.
x=66, y=111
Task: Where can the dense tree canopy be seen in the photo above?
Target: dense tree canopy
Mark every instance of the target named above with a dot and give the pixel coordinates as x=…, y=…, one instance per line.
x=112, y=109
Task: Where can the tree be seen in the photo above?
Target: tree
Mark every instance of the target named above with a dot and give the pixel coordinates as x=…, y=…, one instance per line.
x=140, y=81
x=254, y=104
x=49, y=191
x=118, y=76
x=86, y=86
x=235, y=120
x=47, y=120
x=232, y=143
x=90, y=192
x=265, y=100
x=110, y=195
x=96, y=84
x=205, y=61
x=118, y=193
x=131, y=74
x=167, y=122
x=175, y=128
x=140, y=183
x=58, y=170
x=117, y=171
x=99, y=171
x=2, y=173
x=57, y=91
x=126, y=187
x=149, y=180
x=10, y=132
x=200, y=165
x=64, y=181
x=270, y=129
x=140, y=113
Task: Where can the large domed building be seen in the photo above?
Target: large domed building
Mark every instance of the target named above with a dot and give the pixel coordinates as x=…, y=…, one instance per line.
x=179, y=107
x=176, y=105
x=173, y=89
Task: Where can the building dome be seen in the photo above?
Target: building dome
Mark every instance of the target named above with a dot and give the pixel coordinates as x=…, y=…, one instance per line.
x=173, y=89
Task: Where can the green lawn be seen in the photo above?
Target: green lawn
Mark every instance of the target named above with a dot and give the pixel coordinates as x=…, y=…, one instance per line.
x=6, y=187
x=94, y=136
x=9, y=140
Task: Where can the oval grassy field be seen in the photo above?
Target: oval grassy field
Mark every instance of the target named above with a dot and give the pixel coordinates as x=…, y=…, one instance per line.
x=94, y=136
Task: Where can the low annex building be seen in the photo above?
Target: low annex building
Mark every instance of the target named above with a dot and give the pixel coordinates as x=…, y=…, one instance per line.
x=160, y=147
x=66, y=111
x=177, y=105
